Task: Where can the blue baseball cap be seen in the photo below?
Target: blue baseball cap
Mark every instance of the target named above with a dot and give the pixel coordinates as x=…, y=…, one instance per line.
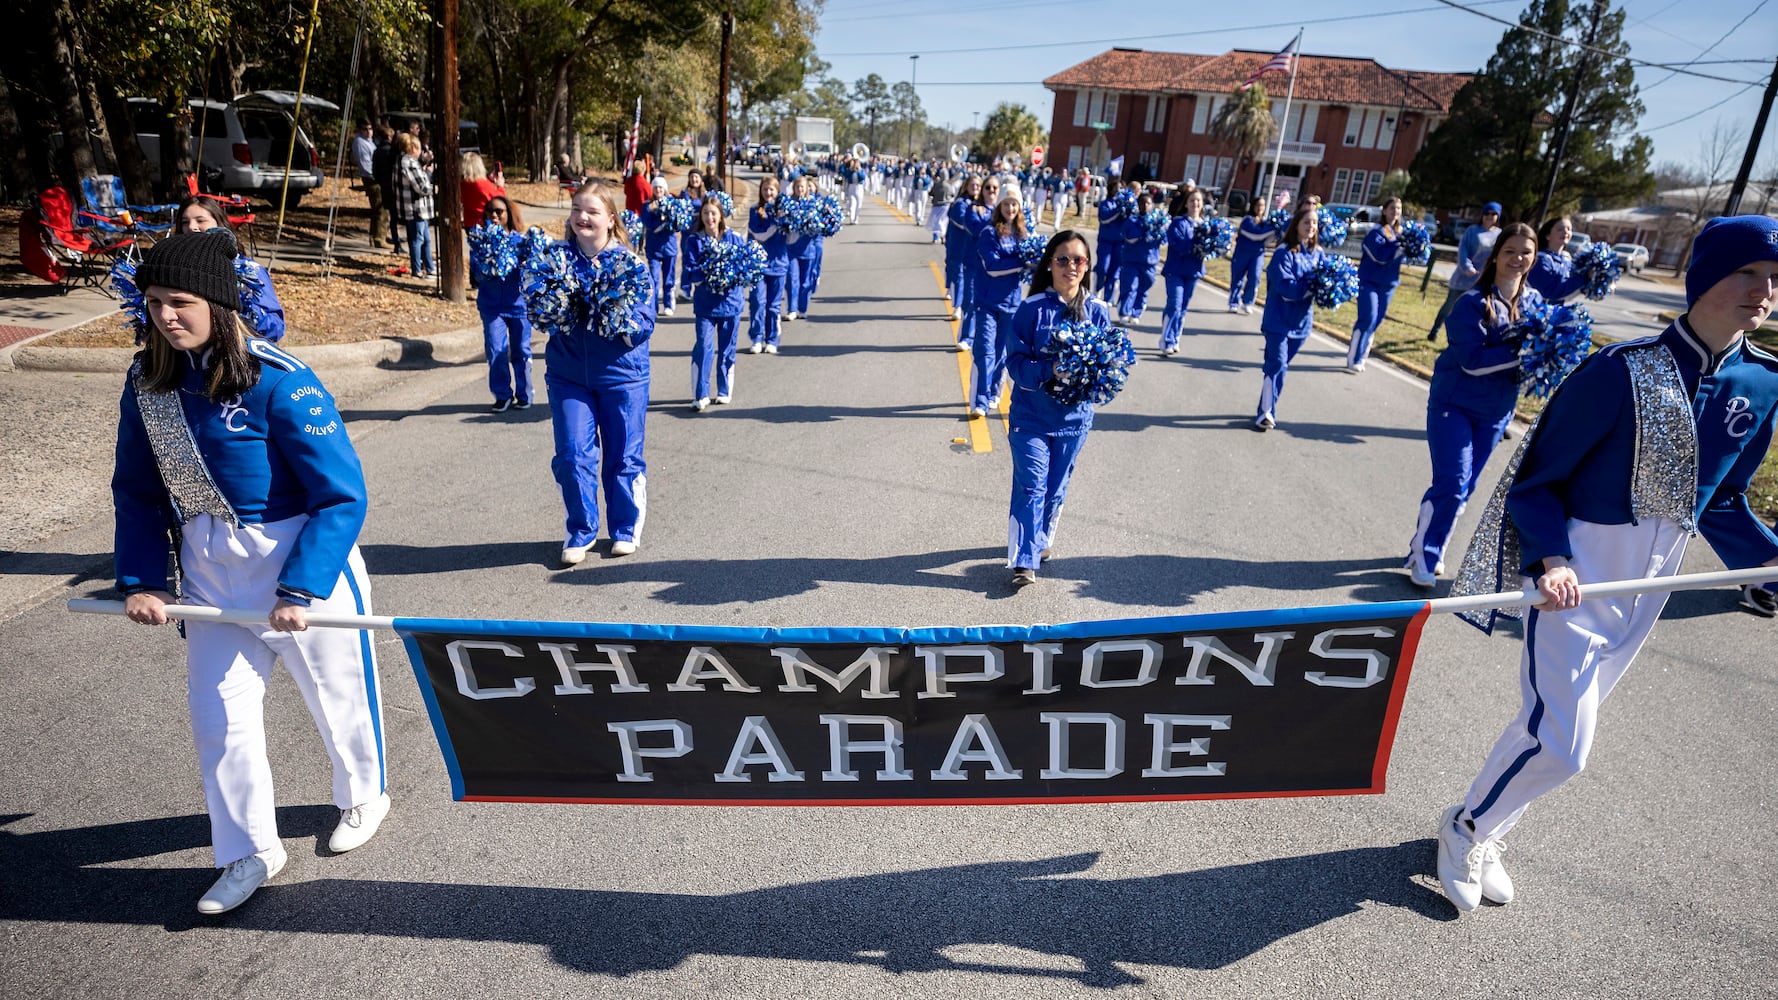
x=1492, y=206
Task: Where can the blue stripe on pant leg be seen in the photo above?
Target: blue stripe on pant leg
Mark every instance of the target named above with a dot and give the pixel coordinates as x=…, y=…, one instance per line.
x=367, y=655
x=1512, y=771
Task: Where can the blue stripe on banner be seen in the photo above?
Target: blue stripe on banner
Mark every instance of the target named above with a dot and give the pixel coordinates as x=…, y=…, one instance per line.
x=368, y=656
x=936, y=636
x=438, y=725
x=1531, y=723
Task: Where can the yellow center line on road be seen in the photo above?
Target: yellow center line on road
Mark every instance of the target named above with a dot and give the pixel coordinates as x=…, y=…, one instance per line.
x=979, y=441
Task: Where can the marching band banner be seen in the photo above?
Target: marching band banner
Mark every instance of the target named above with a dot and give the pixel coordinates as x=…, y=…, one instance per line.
x=1272, y=703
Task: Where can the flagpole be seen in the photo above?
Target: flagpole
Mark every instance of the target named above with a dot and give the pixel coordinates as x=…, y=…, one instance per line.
x=1296, y=56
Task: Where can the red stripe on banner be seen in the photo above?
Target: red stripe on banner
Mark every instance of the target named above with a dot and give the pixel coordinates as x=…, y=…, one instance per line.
x=1043, y=800
x=1410, y=645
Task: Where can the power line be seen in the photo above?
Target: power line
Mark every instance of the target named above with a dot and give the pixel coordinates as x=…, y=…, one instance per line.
x=1719, y=41
x=1693, y=115
x=1592, y=48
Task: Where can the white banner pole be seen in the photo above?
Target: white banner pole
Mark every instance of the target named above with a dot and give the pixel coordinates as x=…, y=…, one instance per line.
x=1441, y=605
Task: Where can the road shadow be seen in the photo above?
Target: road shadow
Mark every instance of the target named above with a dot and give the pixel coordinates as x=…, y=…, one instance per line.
x=472, y=412
x=1044, y=919
x=1111, y=419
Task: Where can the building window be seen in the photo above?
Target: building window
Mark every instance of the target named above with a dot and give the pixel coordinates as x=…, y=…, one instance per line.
x=1151, y=161
x=1095, y=107
x=1354, y=118
x=1192, y=164
x=1077, y=157
x=1225, y=169
x=1206, y=110
x=1110, y=109
x=1305, y=123
x=1341, y=176
x=1367, y=139
x=1080, y=107
x=1386, y=135
x=1155, y=120
x=1376, y=188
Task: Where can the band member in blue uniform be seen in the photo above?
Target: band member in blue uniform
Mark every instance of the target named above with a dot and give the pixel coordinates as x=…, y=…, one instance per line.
x=1475, y=383
x=660, y=242
x=1379, y=271
x=1290, y=309
x=765, y=310
x=718, y=313
x=1045, y=436
x=598, y=398
x=997, y=295
x=1137, y=260
x=1184, y=264
x=236, y=451
x=1646, y=443
x=1249, y=257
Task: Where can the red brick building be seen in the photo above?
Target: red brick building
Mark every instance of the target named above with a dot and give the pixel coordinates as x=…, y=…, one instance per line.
x=1351, y=120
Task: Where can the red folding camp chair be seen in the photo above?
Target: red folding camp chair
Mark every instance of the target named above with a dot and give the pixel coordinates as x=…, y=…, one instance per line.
x=64, y=254
x=239, y=211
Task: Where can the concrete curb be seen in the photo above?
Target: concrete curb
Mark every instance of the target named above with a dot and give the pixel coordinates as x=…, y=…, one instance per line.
x=454, y=347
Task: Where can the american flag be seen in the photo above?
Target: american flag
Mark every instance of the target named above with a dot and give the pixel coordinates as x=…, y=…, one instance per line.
x=1279, y=63
x=633, y=137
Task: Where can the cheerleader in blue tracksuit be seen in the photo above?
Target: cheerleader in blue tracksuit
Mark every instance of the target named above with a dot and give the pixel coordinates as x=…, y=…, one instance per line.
x=694, y=195
x=267, y=522
x=976, y=217
x=1290, y=309
x=1379, y=271
x=1249, y=257
x=1045, y=436
x=598, y=397
x=1553, y=275
x=1111, y=244
x=997, y=295
x=661, y=244
x=803, y=249
x=1596, y=498
x=765, y=310
x=1137, y=260
x=1475, y=383
x=260, y=305
x=718, y=312
x=959, y=248
x=1184, y=265
x=500, y=300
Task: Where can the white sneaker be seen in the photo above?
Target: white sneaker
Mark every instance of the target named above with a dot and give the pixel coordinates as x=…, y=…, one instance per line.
x=1497, y=885
x=976, y=411
x=574, y=555
x=722, y=400
x=1439, y=570
x=756, y=348
x=241, y=879
x=1355, y=369
x=1460, y=861
x=701, y=405
x=1234, y=309
x=623, y=548
x=1264, y=422
x=790, y=315
x=1418, y=576
x=957, y=313
x=771, y=348
x=960, y=347
x=667, y=311
x=358, y=824
x=1247, y=310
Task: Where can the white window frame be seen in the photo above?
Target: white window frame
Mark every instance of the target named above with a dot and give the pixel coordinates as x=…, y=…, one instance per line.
x=1375, y=188
x=1386, y=134
x=1111, y=102
x=1193, y=164
x=1354, y=121
x=1080, y=106
x=1225, y=169
x=1305, y=123
x=1367, y=139
x=1342, y=177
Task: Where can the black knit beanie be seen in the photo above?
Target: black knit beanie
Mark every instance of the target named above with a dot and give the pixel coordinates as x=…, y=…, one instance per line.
x=200, y=263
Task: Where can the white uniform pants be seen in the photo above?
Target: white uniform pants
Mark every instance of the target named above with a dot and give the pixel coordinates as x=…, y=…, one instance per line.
x=1571, y=662
x=228, y=666
x=854, y=201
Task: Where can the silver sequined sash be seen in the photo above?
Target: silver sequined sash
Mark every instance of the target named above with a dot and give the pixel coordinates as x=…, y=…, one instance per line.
x=182, y=467
x=1663, y=480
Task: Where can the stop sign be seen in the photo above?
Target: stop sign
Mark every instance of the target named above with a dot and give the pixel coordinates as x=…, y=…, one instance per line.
x=1037, y=156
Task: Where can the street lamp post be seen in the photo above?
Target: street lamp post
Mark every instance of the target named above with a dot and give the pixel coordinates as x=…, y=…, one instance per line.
x=914, y=85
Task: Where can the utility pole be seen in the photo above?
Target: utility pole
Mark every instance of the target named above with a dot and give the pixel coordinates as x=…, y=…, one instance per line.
x=721, y=151
x=451, y=270
x=914, y=84
x=1759, y=130
x=1567, y=119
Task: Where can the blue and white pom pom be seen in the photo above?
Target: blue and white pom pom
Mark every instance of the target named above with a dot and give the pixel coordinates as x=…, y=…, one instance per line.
x=1335, y=282
x=1556, y=340
x=493, y=251
x=1154, y=226
x=619, y=283
x=723, y=199
x=1030, y=222
x=1031, y=249
x=1598, y=263
x=1092, y=363
x=799, y=216
x=632, y=224
x=829, y=216
x=551, y=284
x=1280, y=220
x=734, y=265
x=1416, y=243
x=677, y=213
x=252, y=279
x=129, y=297
x=1330, y=229
x=1213, y=238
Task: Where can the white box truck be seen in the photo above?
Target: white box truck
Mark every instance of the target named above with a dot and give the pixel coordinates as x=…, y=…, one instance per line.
x=814, y=134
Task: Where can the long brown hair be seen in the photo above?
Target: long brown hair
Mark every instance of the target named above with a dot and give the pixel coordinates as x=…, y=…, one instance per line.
x=1292, y=235
x=1485, y=283
x=1014, y=226
x=233, y=370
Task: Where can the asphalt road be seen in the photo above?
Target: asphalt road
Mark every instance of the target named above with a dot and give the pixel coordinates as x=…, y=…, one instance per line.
x=835, y=491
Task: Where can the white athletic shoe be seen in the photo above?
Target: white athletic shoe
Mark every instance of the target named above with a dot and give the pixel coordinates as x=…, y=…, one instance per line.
x=1357, y=368
x=358, y=824
x=1460, y=862
x=790, y=315
x=701, y=405
x=1247, y=310
x=756, y=348
x=241, y=879
x=668, y=311
x=976, y=411
x=960, y=347
x=957, y=313
x=574, y=555
x=1234, y=309
x=722, y=400
x=1264, y=422
x=1418, y=576
x=623, y=548
x=771, y=348
x=1497, y=885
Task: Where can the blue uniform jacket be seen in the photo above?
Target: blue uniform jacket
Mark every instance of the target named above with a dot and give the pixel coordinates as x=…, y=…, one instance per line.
x=497, y=296
x=1111, y=224
x=765, y=231
x=1002, y=274
x=1034, y=410
x=278, y=450
x=1578, y=464
x=975, y=218
x=705, y=302
x=1290, y=301
x=660, y=241
x=270, y=323
x=1139, y=249
x=1553, y=275
x=1379, y=263
x=1251, y=236
x=1479, y=371
x=1182, y=256
x=959, y=235
x=584, y=358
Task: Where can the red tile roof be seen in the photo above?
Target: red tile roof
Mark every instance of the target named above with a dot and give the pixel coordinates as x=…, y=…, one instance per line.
x=1328, y=79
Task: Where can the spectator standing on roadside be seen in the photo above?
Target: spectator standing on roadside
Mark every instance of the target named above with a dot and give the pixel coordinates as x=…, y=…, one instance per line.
x=637, y=191
x=476, y=189
x=1472, y=252
x=413, y=204
x=364, y=152
x=382, y=169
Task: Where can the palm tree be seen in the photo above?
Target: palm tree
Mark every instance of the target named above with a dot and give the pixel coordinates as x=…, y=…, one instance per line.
x=1245, y=125
x=1010, y=128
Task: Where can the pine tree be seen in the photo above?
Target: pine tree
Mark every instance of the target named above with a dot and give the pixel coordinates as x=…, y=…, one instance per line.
x=1498, y=143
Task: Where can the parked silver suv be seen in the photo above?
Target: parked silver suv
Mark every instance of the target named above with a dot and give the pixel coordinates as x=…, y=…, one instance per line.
x=244, y=142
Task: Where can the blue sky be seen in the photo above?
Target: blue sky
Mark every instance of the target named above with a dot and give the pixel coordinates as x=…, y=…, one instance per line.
x=967, y=61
